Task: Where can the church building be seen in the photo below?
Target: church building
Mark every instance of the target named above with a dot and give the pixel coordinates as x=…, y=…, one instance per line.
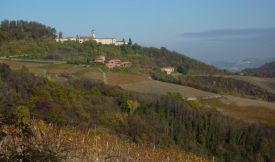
x=82, y=39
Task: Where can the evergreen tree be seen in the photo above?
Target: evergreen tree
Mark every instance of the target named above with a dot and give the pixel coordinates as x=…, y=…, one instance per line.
x=130, y=42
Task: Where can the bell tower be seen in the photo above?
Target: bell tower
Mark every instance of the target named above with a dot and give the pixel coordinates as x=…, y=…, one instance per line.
x=93, y=34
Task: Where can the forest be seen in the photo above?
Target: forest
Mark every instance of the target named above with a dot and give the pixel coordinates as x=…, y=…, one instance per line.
x=24, y=30
x=150, y=119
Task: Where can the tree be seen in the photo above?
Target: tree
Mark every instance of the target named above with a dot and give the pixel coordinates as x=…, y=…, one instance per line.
x=23, y=113
x=182, y=70
x=130, y=42
x=132, y=106
x=24, y=30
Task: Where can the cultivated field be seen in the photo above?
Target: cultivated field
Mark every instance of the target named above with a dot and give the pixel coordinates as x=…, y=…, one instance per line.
x=158, y=87
x=125, y=78
x=246, y=109
x=53, y=71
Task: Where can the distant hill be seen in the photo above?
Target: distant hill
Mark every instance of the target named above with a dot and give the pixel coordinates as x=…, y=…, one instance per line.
x=267, y=70
x=235, y=66
x=35, y=41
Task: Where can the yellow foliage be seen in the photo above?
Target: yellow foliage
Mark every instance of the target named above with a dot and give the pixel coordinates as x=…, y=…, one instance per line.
x=18, y=50
x=71, y=144
x=23, y=113
x=116, y=118
x=195, y=104
x=133, y=105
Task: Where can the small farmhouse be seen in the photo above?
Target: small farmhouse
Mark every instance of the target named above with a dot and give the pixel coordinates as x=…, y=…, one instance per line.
x=168, y=70
x=118, y=63
x=113, y=63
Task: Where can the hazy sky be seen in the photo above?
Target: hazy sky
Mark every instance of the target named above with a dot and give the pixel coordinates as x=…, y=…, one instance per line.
x=207, y=30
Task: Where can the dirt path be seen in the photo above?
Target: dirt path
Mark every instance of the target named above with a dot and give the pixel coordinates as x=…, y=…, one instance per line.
x=105, y=81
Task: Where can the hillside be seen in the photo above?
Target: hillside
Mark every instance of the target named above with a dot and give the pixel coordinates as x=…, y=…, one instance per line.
x=24, y=30
x=263, y=82
x=249, y=110
x=143, y=118
x=219, y=84
x=267, y=70
x=30, y=46
x=56, y=104
x=47, y=142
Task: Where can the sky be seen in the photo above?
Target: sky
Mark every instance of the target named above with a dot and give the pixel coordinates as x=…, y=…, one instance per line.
x=216, y=30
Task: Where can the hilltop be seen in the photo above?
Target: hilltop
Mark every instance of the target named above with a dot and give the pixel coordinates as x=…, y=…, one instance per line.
x=26, y=43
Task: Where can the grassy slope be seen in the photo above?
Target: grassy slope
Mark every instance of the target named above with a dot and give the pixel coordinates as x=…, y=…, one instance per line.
x=248, y=110
x=158, y=87
x=240, y=108
x=245, y=109
x=134, y=82
x=255, y=111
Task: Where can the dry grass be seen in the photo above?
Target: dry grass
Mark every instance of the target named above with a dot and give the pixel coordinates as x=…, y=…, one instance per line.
x=52, y=70
x=70, y=144
x=245, y=109
x=89, y=73
x=157, y=87
x=124, y=78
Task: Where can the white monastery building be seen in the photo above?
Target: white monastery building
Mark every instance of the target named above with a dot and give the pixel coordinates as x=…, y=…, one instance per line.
x=92, y=37
x=168, y=70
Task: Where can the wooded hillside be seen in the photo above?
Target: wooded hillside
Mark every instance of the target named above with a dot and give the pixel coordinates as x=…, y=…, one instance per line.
x=24, y=30
x=150, y=119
